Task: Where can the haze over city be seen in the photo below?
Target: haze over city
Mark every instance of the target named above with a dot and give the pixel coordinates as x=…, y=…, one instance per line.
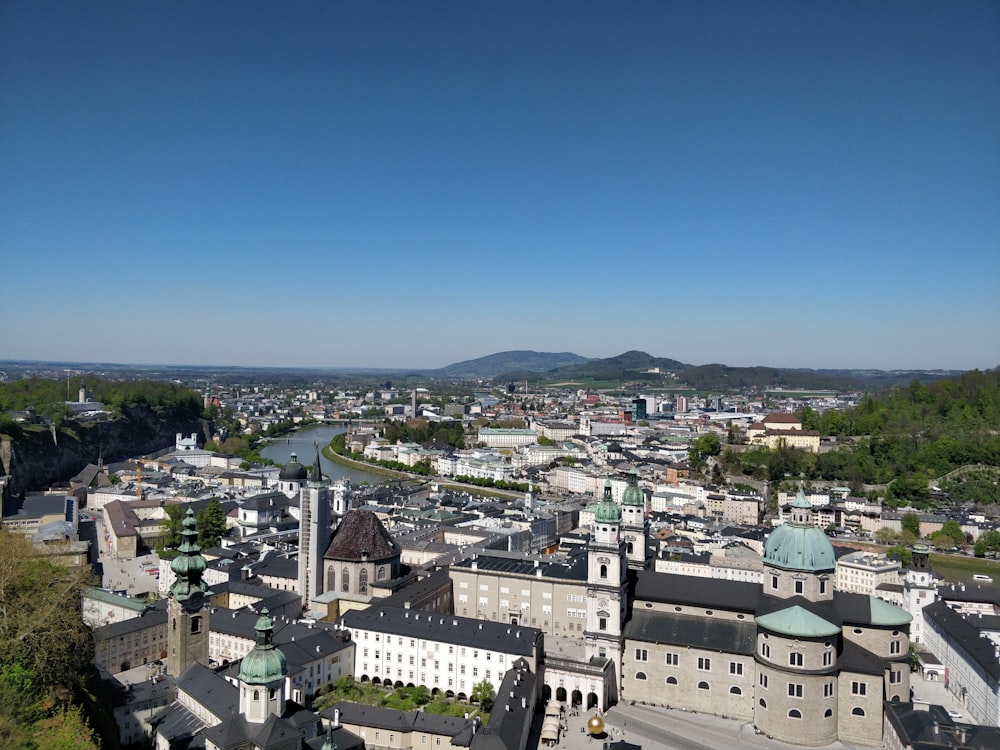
x=409, y=185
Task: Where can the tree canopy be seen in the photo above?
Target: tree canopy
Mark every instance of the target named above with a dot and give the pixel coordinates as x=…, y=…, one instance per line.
x=45, y=650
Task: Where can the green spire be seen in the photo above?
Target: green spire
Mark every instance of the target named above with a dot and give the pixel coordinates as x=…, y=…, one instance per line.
x=189, y=565
x=328, y=743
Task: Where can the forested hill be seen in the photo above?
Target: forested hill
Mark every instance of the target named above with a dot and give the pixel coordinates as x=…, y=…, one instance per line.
x=945, y=432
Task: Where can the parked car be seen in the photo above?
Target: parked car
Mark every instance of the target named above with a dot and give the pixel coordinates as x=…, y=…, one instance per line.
x=955, y=715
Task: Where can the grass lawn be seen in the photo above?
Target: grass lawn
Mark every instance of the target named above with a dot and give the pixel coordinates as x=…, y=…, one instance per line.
x=958, y=568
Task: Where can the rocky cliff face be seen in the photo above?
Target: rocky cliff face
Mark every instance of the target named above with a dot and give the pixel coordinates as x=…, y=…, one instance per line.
x=40, y=458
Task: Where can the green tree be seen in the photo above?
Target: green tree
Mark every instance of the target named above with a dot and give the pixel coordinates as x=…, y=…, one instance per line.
x=885, y=535
x=173, y=524
x=911, y=522
x=484, y=694
x=988, y=542
x=942, y=541
x=45, y=649
x=952, y=528
x=903, y=554
x=211, y=524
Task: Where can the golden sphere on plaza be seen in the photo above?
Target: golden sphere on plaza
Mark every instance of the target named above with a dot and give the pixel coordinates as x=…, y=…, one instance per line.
x=595, y=725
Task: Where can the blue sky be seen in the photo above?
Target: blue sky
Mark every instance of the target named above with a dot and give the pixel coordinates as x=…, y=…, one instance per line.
x=407, y=184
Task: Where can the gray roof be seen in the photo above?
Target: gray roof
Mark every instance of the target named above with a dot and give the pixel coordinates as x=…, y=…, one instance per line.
x=710, y=593
x=933, y=728
x=695, y=631
x=461, y=631
x=964, y=634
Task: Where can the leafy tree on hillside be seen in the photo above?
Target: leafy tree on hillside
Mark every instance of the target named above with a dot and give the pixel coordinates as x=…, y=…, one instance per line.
x=45, y=649
x=911, y=522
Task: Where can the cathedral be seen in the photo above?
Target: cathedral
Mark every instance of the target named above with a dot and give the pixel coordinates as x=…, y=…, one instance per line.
x=806, y=664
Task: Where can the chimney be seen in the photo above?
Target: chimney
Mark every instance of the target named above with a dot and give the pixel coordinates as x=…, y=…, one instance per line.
x=336, y=718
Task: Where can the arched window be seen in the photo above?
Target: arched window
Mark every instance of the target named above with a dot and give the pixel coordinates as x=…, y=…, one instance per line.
x=380, y=575
x=345, y=580
x=795, y=714
x=628, y=548
x=828, y=713
x=703, y=685
x=640, y=675
x=857, y=711
x=604, y=571
x=256, y=695
x=363, y=581
x=671, y=680
x=734, y=690
x=763, y=703
x=331, y=579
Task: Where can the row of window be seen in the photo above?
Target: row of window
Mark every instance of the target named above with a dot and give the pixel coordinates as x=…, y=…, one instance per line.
x=796, y=714
x=671, y=680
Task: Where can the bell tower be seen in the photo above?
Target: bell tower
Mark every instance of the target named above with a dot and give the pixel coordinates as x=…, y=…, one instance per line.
x=187, y=615
x=606, y=583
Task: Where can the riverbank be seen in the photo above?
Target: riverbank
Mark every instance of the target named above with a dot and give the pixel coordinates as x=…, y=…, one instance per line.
x=370, y=468
x=401, y=475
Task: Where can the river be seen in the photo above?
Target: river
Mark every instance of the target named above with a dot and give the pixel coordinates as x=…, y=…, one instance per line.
x=304, y=443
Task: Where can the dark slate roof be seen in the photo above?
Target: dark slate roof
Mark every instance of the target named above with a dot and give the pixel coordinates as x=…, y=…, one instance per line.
x=696, y=631
x=964, y=635
x=933, y=728
x=343, y=739
x=154, y=615
x=399, y=721
x=710, y=593
x=361, y=532
x=266, y=500
x=461, y=631
x=853, y=658
x=210, y=690
x=962, y=592
x=572, y=568
x=178, y=726
x=510, y=719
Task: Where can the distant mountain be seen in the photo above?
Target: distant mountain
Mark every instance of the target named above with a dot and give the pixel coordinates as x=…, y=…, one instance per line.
x=494, y=364
x=632, y=365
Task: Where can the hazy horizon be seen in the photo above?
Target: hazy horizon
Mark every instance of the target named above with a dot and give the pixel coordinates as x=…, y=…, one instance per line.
x=356, y=185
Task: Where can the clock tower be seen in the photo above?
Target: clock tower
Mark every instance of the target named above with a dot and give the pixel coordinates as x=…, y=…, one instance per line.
x=187, y=615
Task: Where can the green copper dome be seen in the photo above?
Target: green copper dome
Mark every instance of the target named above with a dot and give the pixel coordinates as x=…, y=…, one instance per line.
x=265, y=663
x=608, y=510
x=798, y=622
x=798, y=545
x=633, y=495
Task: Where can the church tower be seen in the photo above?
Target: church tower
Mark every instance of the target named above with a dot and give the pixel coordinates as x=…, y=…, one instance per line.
x=187, y=615
x=606, y=584
x=635, y=525
x=314, y=532
x=918, y=589
x=262, y=675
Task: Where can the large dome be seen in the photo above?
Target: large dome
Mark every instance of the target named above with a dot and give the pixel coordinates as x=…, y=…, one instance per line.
x=293, y=471
x=798, y=545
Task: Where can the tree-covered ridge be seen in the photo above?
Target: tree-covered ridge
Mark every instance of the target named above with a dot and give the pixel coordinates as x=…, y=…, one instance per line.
x=905, y=439
x=44, y=395
x=968, y=403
